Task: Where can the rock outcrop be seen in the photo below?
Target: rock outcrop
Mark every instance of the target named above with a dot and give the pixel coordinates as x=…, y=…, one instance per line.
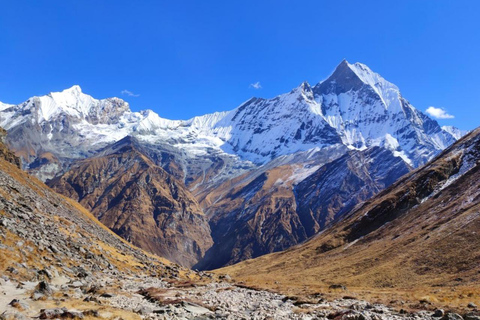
x=275, y=209
x=421, y=231
x=139, y=201
x=5, y=153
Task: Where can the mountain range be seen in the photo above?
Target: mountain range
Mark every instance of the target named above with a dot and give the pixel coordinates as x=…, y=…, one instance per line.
x=419, y=236
x=224, y=187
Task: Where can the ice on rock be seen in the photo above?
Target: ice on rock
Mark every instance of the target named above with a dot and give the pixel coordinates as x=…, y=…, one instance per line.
x=353, y=107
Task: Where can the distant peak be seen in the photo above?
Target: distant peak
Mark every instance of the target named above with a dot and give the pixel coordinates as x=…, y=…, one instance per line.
x=345, y=69
x=305, y=86
x=74, y=89
x=348, y=76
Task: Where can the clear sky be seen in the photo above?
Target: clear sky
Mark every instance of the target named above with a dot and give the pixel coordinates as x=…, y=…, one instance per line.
x=187, y=58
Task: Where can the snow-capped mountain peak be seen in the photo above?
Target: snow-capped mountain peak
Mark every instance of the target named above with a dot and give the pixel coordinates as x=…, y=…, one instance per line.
x=75, y=89
x=455, y=132
x=70, y=103
x=354, y=107
x=4, y=106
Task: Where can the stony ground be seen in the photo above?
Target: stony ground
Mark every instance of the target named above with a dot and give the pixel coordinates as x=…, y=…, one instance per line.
x=57, y=262
x=134, y=297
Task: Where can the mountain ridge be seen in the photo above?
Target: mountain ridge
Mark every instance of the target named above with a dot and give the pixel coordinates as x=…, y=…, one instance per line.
x=139, y=201
x=260, y=151
x=418, y=235
x=316, y=116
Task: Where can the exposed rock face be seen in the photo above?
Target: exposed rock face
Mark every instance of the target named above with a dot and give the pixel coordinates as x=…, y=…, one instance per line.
x=270, y=212
x=139, y=201
x=253, y=219
x=334, y=189
x=48, y=132
x=354, y=107
x=5, y=153
x=366, y=110
x=44, y=235
x=262, y=129
x=421, y=231
x=222, y=158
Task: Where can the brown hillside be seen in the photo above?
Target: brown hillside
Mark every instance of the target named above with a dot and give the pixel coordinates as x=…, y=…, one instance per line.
x=420, y=235
x=270, y=210
x=139, y=201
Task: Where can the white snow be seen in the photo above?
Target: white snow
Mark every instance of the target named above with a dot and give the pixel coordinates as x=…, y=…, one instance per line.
x=4, y=106
x=259, y=129
x=455, y=132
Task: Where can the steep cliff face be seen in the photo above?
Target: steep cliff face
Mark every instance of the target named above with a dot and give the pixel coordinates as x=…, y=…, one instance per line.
x=244, y=166
x=139, y=201
x=336, y=188
x=353, y=107
x=366, y=110
x=275, y=209
x=421, y=231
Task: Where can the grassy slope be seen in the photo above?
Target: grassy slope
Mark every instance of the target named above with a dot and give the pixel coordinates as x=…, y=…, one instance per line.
x=392, y=247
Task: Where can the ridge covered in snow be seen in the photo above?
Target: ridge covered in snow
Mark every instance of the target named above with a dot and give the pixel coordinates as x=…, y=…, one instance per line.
x=455, y=132
x=354, y=107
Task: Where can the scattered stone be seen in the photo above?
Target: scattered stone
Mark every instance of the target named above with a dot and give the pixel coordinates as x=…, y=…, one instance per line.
x=12, y=315
x=45, y=274
x=225, y=277
x=42, y=290
x=76, y=284
x=53, y=248
x=91, y=299
x=18, y=304
x=60, y=313
x=144, y=310
x=438, y=313
x=472, y=305
x=12, y=270
x=338, y=286
x=452, y=316
x=91, y=313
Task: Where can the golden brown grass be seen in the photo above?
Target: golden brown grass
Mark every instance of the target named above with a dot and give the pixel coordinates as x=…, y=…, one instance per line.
x=9, y=258
x=429, y=254
x=118, y=259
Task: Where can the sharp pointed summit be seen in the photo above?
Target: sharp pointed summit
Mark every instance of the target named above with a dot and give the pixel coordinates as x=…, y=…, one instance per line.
x=75, y=88
x=348, y=77
x=355, y=108
x=305, y=86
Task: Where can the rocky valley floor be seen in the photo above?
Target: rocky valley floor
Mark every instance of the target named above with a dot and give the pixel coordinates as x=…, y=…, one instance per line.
x=116, y=296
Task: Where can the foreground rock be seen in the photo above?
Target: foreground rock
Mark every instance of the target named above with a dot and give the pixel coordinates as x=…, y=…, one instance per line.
x=156, y=298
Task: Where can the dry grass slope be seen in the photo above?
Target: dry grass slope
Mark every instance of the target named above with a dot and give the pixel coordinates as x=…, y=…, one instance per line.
x=417, y=240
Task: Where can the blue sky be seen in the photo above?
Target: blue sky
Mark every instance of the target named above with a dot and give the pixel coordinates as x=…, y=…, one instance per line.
x=187, y=58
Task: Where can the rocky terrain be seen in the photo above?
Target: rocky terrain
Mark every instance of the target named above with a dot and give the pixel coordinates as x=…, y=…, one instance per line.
x=278, y=207
x=58, y=262
x=139, y=201
x=243, y=169
x=140, y=297
x=416, y=240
